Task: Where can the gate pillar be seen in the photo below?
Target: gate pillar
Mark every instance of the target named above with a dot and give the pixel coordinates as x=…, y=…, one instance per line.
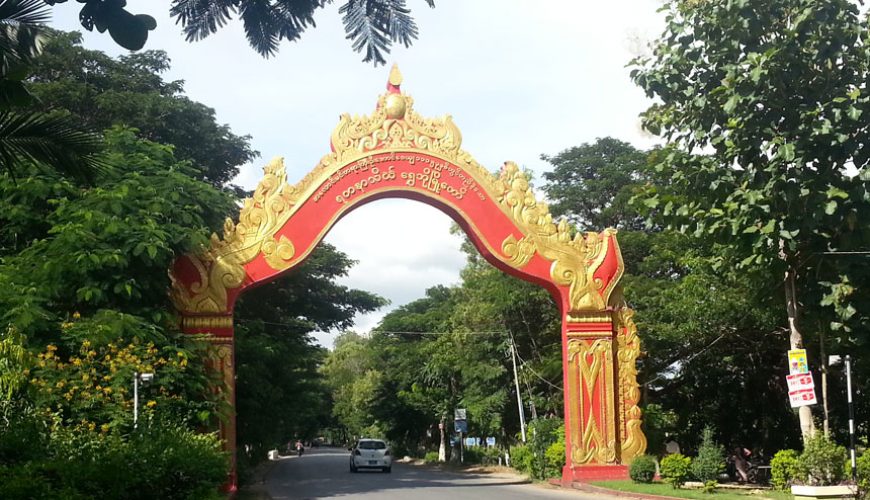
x=217, y=331
x=602, y=417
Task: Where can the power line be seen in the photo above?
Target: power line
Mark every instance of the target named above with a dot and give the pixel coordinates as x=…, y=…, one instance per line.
x=689, y=360
x=525, y=365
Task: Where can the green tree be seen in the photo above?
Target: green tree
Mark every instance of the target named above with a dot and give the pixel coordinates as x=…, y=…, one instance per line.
x=281, y=392
x=371, y=25
x=707, y=335
x=770, y=100
x=592, y=184
x=100, y=91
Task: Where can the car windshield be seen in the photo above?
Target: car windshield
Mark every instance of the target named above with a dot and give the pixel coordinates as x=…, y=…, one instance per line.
x=371, y=445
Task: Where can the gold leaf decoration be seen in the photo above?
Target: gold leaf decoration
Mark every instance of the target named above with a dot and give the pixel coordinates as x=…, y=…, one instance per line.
x=221, y=265
x=574, y=259
x=627, y=352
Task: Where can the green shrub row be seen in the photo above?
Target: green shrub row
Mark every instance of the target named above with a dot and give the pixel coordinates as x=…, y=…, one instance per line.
x=81, y=463
x=821, y=463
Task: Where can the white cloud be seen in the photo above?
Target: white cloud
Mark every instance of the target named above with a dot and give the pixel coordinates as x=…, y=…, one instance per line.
x=520, y=79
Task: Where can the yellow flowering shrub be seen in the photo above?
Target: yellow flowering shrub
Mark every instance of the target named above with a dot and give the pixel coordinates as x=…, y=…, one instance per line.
x=91, y=382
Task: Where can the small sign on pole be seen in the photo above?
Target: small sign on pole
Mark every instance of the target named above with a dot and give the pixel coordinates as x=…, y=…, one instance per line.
x=797, y=361
x=459, y=414
x=460, y=426
x=801, y=390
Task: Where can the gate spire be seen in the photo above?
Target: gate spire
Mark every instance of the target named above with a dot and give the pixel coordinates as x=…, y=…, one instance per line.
x=395, y=80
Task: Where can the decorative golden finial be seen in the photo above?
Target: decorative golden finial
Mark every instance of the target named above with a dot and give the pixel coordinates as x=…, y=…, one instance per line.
x=395, y=103
x=395, y=76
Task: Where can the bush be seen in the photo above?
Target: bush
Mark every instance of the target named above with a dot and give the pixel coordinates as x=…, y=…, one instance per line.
x=863, y=463
x=431, y=457
x=822, y=461
x=158, y=461
x=472, y=455
x=642, y=469
x=675, y=469
x=491, y=456
x=543, y=432
x=555, y=456
x=784, y=469
x=710, y=461
x=521, y=458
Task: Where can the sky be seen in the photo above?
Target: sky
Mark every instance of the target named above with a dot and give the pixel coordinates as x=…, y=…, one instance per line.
x=519, y=78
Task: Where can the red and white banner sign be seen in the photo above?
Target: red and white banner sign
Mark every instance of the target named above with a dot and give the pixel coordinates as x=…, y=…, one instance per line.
x=801, y=390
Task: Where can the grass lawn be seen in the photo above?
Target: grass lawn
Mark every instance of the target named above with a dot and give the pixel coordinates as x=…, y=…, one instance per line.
x=666, y=490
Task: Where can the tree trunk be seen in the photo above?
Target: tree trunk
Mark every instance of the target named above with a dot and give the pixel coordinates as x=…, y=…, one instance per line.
x=797, y=341
x=442, y=447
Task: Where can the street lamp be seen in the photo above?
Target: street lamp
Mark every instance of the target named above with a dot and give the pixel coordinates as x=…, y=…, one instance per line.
x=832, y=360
x=144, y=378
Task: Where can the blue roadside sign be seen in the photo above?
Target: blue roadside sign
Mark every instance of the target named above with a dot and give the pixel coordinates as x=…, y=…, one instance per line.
x=490, y=441
x=461, y=426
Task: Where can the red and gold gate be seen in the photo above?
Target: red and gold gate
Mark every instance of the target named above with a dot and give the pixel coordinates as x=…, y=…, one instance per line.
x=395, y=152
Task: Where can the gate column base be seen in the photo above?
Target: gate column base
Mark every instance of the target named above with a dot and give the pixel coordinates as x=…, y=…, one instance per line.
x=589, y=473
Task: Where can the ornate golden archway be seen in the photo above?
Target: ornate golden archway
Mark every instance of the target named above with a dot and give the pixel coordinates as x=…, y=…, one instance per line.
x=395, y=152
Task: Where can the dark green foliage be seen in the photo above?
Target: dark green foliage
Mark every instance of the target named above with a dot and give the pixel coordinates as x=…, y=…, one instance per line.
x=765, y=106
x=710, y=461
x=100, y=92
x=821, y=462
x=642, y=469
x=675, y=469
x=50, y=141
x=785, y=469
x=28, y=138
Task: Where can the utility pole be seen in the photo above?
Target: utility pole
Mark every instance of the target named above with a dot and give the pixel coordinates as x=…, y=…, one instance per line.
x=519, y=394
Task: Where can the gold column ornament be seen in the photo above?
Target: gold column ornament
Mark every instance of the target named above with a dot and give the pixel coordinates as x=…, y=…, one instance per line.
x=627, y=352
x=593, y=440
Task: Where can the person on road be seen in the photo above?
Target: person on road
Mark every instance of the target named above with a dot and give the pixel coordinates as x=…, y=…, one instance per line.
x=300, y=448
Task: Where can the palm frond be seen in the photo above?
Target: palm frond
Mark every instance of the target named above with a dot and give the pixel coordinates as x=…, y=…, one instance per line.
x=21, y=31
x=373, y=25
x=52, y=141
x=294, y=16
x=24, y=12
x=261, y=26
x=201, y=18
x=361, y=26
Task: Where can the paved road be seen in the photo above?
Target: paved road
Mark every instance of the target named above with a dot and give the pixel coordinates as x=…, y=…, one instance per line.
x=323, y=473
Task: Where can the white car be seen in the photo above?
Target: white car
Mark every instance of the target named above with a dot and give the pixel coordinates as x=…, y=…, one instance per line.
x=371, y=454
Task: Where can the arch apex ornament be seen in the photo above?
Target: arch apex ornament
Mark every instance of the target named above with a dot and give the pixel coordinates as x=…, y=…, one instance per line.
x=395, y=152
